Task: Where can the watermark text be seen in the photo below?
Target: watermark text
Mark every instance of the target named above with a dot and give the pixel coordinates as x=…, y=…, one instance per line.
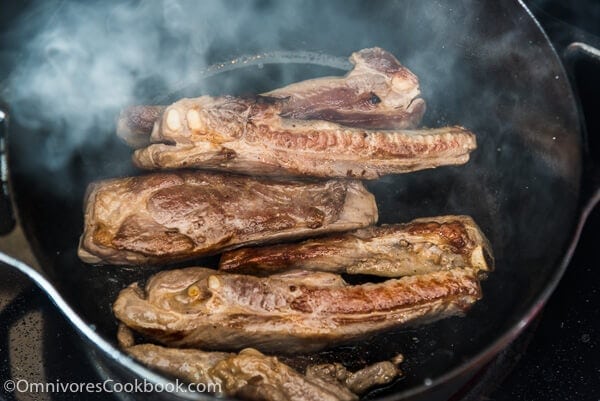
x=109, y=386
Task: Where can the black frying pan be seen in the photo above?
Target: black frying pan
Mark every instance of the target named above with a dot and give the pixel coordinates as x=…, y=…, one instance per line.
x=485, y=65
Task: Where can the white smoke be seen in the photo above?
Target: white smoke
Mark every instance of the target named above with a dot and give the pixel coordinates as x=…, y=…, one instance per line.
x=81, y=62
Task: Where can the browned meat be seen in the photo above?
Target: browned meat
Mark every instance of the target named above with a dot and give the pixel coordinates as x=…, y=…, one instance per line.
x=248, y=136
x=379, y=93
x=421, y=246
x=292, y=312
x=358, y=382
x=161, y=218
x=254, y=376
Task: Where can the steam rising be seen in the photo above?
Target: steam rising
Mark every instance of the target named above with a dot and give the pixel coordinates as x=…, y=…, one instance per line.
x=84, y=61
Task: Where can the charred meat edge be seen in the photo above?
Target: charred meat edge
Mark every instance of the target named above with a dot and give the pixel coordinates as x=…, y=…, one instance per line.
x=421, y=246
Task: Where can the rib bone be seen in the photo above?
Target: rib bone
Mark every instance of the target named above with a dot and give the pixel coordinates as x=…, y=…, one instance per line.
x=248, y=136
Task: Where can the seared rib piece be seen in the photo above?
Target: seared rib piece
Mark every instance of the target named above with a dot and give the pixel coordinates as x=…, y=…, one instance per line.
x=161, y=218
x=421, y=246
x=378, y=93
x=253, y=376
x=292, y=312
x=248, y=375
x=248, y=136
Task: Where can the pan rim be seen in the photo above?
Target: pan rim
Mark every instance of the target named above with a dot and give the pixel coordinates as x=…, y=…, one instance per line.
x=579, y=218
x=478, y=359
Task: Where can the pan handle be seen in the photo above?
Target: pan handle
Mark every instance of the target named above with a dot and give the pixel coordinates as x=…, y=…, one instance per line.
x=42, y=282
x=578, y=55
x=7, y=217
x=87, y=331
x=578, y=47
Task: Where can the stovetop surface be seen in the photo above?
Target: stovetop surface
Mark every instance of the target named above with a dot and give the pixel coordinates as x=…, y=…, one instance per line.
x=562, y=360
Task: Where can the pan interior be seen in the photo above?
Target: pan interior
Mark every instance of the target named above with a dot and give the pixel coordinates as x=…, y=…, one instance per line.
x=484, y=66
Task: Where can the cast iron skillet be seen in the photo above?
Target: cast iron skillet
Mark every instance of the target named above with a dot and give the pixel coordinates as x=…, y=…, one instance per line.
x=485, y=65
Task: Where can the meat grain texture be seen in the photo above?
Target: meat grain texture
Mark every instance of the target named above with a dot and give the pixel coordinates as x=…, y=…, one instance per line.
x=249, y=136
x=166, y=217
x=421, y=246
x=293, y=312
